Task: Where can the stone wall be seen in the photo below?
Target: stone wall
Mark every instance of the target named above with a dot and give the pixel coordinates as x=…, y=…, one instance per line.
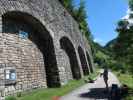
x=23, y=56
x=39, y=60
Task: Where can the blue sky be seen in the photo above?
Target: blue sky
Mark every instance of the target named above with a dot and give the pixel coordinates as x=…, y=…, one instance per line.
x=102, y=17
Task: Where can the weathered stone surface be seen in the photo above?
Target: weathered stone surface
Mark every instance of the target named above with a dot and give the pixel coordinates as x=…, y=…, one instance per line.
x=39, y=60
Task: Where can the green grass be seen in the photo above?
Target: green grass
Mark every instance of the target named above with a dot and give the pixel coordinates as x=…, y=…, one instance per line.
x=48, y=93
x=128, y=80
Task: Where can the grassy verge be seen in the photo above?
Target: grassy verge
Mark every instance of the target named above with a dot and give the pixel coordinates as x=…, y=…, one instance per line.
x=49, y=93
x=127, y=79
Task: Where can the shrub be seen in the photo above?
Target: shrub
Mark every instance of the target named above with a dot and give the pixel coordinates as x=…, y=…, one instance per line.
x=19, y=94
x=10, y=98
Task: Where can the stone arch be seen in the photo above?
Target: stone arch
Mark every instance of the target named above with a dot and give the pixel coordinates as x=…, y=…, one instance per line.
x=89, y=62
x=14, y=21
x=68, y=47
x=83, y=61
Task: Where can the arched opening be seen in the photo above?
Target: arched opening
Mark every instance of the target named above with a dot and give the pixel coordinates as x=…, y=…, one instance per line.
x=89, y=62
x=83, y=61
x=68, y=47
x=16, y=22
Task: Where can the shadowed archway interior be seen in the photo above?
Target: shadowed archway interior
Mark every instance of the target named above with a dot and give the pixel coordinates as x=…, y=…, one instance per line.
x=68, y=47
x=16, y=21
x=83, y=61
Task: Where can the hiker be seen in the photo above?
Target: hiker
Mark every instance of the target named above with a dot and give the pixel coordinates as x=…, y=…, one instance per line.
x=105, y=77
x=115, y=92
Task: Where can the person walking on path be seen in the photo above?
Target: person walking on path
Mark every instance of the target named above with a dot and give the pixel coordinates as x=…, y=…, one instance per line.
x=105, y=77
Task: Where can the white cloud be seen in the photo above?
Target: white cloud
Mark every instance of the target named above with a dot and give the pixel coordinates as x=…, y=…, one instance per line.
x=100, y=41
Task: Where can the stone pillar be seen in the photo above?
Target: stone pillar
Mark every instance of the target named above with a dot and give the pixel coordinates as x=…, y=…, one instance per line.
x=2, y=86
x=79, y=63
x=0, y=23
x=92, y=62
x=87, y=61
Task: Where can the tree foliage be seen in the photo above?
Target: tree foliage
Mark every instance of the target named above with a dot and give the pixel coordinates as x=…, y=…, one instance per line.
x=124, y=45
x=68, y=4
x=131, y=4
x=79, y=14
x=122, y=48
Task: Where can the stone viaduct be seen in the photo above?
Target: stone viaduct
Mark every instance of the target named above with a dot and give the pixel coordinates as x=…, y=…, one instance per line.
x=40, y=46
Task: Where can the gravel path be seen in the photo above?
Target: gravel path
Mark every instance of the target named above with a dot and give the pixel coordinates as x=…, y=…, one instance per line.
x=92, y=91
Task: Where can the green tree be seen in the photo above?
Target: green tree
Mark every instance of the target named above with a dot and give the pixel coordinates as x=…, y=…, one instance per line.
x=79, y=14
x=68, y=4
x=123, y=47
x=131, y=4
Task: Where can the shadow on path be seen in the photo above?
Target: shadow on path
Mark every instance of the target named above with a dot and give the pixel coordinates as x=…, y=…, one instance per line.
x=96, y=93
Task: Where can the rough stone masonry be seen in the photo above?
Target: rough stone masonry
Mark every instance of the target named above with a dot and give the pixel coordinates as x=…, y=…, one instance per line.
x=40, y=46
